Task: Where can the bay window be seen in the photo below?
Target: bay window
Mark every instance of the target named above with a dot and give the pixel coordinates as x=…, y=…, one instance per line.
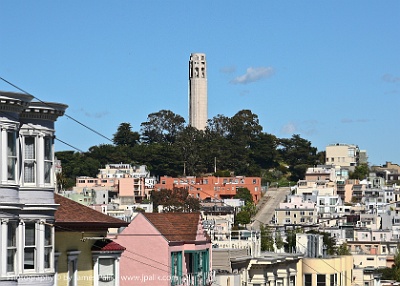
x=29, y=160
x=30, y=246
x=11, y=155
x=11, y=245
x=48, y=245
x=48, y=159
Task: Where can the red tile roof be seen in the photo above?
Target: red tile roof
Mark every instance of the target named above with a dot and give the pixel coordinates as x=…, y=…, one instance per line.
x=71, y=215
x=107, y=245
x=176, y=226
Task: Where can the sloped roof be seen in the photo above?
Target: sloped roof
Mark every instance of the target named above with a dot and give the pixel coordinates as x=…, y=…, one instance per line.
x=107, y=245
x=175, y=226
x=75, y=216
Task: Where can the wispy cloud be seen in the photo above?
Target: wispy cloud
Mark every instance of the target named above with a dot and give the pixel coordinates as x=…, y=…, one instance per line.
x=253, y=75
x=390, y=78
x=393, y=91
x=93, y=115
x=228, y=70
x=307, y=127
x=289, y=128
x=349, y=120
x=244, y=92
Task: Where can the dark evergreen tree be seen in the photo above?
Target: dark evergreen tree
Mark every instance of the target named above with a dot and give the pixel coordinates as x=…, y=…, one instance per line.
x=125, y=136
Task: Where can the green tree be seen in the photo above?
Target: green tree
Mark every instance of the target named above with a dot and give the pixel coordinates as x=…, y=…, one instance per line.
x=125, y=136
x=290, y=244
x=243, y=132
x=190, y=144
x=217, y=148
x=279, y=243
x=162, y=127
x=360, y=172
x=250, y=207
x=392, y=273
x=267, y=239
x=396, y=264
x=244, y=194
x=176, y=200
x=298, y=154
x=76, y=164
x=264, y=151
x=242, y=218
x=343, y=249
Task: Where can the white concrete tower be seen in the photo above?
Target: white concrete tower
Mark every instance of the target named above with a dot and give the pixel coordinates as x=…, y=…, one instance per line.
x=198, y=91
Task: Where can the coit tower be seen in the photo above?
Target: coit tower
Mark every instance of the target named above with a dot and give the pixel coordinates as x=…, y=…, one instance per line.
x=198, y=91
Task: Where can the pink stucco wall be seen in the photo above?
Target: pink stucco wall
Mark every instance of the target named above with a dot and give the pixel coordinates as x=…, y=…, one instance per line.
x=146, y=258
x=126, y=187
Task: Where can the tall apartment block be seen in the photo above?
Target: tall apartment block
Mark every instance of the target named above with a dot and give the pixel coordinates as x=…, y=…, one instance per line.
x=198, y=91
x=345, y=155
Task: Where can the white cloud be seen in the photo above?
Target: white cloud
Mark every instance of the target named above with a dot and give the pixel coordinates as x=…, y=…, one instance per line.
x=253, y=75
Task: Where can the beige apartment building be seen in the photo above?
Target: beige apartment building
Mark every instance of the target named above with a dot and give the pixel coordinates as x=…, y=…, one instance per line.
x=335, y=270
x=345, y=155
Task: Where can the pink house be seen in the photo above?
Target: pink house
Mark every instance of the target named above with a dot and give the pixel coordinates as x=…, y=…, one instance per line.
x=165, y=249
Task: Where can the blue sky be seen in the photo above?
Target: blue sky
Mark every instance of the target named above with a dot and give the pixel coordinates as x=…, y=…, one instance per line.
x=326, y=70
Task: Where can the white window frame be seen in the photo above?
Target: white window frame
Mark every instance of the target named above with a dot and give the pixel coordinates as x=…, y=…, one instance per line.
x=73, y=267
x=12, y=155
x=12, y=247
x=30, y=246
x=32, y=161
x=97, y=257
x=48, y=160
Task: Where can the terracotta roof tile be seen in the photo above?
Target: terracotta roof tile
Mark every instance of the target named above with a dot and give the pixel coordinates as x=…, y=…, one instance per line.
x=176, y=226
x=71, y=213
x=107, y=245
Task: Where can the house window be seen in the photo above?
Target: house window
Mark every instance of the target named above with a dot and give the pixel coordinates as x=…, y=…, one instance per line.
x=73, y=268
x=48, y=159
x=11, y=245
x=106, y=269
x=332, y=280
x=176, y=267
x=197, y=263
x=292, y=280
x=30, y=246
x=308, y=280
x=29, y=160
x=321, y=280
x=48, y=245
x=11, y=155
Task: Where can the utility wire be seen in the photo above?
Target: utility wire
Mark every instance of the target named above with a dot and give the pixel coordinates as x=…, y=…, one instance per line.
x=65, y=114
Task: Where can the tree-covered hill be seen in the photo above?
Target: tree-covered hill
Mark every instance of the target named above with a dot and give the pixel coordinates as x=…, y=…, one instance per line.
x=169, y=147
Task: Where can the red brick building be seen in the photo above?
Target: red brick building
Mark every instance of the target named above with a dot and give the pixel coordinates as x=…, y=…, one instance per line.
x=213, y=187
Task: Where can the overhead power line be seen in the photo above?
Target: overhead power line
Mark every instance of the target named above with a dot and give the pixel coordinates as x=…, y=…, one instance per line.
x=65, y=114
